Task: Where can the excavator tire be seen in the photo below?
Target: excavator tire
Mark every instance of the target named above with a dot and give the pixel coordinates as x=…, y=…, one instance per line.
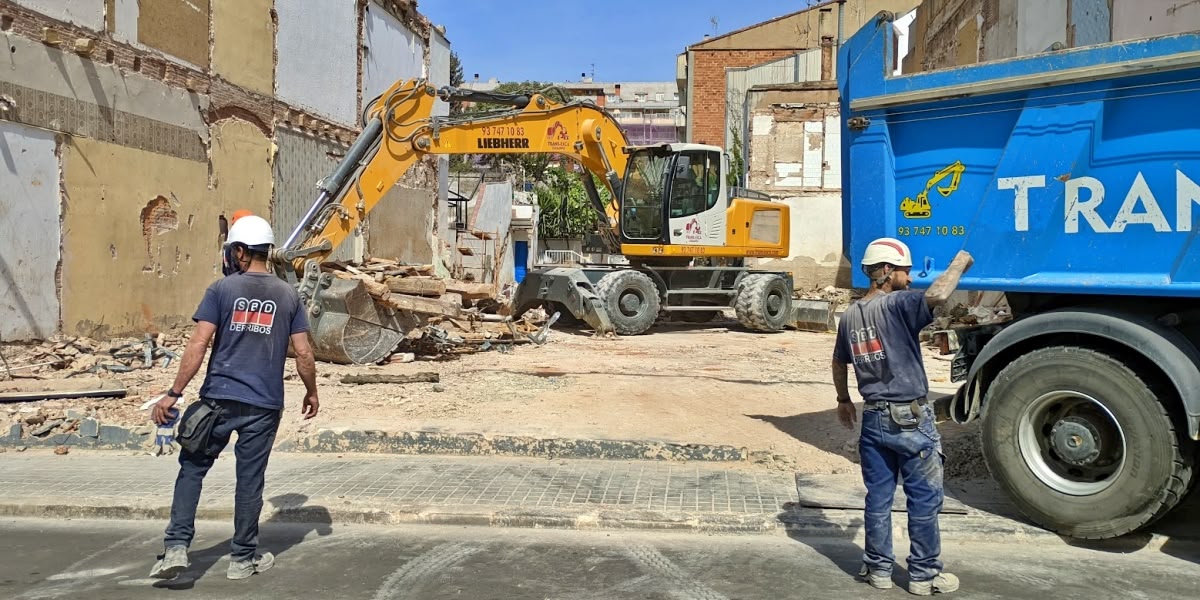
x=764, y=302
x=631, y=300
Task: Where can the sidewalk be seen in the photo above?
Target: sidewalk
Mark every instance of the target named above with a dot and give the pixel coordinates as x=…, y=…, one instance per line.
x=492, y=491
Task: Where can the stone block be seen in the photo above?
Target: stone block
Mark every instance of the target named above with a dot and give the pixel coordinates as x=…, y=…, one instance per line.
x=111, y=434
x=14, y=431
x=89, y=428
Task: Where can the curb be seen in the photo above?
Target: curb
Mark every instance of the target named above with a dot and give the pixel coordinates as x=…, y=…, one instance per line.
x=426, y=442
x=477, y=444
x=832, y=525
x=90, y=433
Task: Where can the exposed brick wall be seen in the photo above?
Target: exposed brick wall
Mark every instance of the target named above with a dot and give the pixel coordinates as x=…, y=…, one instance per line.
x=18, y=20
x=708, y=88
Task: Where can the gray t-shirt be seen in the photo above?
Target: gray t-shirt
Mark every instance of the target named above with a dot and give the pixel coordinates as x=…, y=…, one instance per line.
x=879, y=336
x=255, y=314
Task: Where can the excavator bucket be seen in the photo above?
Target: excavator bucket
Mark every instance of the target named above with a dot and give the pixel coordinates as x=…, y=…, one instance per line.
x=348, y=327
x=566, y=287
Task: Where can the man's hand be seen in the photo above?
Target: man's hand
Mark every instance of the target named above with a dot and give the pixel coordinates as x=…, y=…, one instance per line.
x=847, y=414
x=311, y=405
x=941, y=288
x=159, y=412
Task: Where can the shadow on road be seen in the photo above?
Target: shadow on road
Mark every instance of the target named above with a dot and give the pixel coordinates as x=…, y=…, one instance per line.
x=290, y=510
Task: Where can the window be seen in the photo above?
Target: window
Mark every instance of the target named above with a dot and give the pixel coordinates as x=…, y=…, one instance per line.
x=610, y=98
x=695, y=183
x=658, y=97
x=641, y=97
x=642, y=200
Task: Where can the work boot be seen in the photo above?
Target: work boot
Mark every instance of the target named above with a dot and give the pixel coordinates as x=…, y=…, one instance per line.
x=173, y=562
x=241, y=569
x=943, y=583
x=878, y=579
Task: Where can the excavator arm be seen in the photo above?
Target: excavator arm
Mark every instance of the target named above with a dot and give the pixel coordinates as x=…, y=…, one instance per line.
x=399, y=130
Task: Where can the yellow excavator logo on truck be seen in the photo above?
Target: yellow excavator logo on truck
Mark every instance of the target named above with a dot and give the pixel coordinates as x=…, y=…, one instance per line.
x=920, y=208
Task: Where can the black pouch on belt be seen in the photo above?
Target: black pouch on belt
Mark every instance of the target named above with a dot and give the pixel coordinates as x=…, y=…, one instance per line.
x=906, y=415
x=196, y=425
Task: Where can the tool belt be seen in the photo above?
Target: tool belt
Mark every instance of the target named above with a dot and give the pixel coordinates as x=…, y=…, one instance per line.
x=196, y=426
x=905, y=414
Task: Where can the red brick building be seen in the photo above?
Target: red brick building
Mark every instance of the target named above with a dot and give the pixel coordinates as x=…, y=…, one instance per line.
x=701, y=69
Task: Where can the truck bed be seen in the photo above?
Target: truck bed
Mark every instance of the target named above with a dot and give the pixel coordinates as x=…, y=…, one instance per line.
x=1078, y=171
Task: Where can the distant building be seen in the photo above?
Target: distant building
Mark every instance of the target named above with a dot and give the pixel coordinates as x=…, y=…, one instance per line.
x=649, y=112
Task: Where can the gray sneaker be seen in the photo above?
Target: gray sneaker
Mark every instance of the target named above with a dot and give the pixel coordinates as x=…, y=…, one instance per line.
x=943, y=583
x=878, y=579
x=173, y=562
x=241, y=569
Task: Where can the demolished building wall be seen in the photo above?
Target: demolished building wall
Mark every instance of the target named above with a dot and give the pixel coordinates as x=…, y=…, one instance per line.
x=949, y=33
x=29, y=232
x=146, y=123
x=795, y=157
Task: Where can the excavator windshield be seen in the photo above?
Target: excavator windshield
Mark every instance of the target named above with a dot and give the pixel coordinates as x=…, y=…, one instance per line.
x=644, y=190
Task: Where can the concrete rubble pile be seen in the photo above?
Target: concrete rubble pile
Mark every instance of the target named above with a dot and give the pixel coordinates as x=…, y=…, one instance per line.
x=460, y=316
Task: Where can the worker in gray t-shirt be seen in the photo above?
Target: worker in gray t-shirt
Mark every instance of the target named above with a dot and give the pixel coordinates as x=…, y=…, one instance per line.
x=899, y=439
x=251, y=317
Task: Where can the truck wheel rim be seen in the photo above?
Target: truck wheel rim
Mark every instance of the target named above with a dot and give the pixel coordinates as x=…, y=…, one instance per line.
x=1072, y=443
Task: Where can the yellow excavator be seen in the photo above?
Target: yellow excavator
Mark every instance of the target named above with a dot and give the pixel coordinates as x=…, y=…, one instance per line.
x=684, y=232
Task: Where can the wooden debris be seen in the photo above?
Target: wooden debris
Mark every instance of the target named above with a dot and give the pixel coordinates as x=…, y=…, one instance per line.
x=417, y=286
x=418, y=304
x=393, y=379
x=471, y=291
x=27, y=391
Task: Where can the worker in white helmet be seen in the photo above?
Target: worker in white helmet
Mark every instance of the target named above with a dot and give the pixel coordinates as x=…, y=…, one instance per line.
x=899, y=437
x=253, y=316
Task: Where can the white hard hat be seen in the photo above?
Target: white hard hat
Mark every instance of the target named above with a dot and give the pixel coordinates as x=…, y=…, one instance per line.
x=887, y=250
x=252, y=231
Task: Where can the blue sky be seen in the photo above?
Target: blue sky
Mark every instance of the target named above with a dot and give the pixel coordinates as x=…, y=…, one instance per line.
x=556, y=40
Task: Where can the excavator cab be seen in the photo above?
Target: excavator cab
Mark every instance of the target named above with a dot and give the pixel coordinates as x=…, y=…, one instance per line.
x=674, y=194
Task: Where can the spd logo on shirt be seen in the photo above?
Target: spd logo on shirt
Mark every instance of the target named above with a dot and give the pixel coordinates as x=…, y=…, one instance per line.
x=256, y=316
x=865, y=346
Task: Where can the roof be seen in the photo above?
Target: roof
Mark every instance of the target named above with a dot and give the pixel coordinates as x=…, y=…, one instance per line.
x=819, y=5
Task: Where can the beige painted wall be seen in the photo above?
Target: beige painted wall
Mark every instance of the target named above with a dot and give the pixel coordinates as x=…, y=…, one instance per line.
x=242, y=170
x=119, y=276
x=244, y=44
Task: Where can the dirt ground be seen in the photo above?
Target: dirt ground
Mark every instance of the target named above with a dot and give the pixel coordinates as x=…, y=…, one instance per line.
x=710, y=384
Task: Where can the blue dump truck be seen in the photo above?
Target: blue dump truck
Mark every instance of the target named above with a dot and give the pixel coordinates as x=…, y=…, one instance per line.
x=1073, y=178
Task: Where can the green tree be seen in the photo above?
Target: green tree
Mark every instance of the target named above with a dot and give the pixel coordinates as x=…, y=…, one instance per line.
x=563, y=206
x=737, y=165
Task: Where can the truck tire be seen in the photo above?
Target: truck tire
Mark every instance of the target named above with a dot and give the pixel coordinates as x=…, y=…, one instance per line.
x=1082, y=444
x=764, y=302
x=631, y=299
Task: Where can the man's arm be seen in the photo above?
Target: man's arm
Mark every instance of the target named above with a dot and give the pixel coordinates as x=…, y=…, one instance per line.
x=306, y=367
x=841, y=380
x=189, y=365
x=845, y=409
x=939, y=292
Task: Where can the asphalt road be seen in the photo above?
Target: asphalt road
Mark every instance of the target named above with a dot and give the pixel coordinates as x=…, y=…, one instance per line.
x=111, y=559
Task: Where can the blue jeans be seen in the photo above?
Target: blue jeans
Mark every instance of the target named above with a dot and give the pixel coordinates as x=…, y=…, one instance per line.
x=256, y=429
x=889, y=452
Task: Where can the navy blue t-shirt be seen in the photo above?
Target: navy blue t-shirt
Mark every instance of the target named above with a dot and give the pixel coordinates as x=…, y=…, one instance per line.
x=879, y=336
x=255, y=314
